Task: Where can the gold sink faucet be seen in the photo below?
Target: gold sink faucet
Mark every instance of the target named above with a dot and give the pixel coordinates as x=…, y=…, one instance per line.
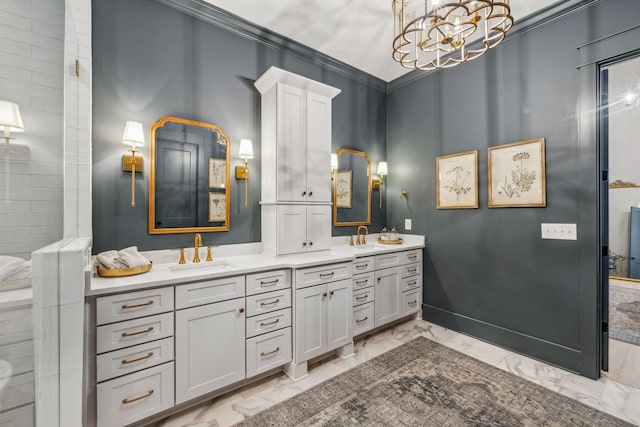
x=197, y=242
x=364, y=240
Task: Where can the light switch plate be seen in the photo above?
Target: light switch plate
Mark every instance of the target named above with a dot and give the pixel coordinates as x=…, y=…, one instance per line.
x=407, y=224
x=559, y=231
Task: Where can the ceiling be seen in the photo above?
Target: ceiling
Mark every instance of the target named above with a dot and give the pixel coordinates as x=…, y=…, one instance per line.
x=356, y=32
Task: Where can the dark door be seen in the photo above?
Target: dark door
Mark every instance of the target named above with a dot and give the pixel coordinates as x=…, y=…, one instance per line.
x=604, y=215
x=634, y=244
x=176, y=184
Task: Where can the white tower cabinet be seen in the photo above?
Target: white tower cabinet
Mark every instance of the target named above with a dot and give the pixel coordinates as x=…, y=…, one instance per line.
x=296, y=162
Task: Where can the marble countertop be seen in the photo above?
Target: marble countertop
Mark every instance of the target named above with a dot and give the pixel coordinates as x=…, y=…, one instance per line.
x=171, y=273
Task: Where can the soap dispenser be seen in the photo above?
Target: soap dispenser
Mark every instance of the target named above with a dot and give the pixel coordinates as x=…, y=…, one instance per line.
x=393, y=234
x=384, y=234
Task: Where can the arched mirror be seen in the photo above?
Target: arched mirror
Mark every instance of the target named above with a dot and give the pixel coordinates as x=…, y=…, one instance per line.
x=352, y=189
x=188, y=178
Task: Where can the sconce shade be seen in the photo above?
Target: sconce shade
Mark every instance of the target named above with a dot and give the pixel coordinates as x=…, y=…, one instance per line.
x=246, y=149
x=133, y=134
x=334, y=161
x=382, y=168
x=10, y=119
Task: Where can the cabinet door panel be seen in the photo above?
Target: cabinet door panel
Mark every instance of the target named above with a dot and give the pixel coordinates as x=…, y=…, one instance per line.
x=318, y=148
x=210, y=348
x=291, y=229
x=387, y=291
x=311, y=320
x=318, y=228
x=339, y=312
x=291, y=144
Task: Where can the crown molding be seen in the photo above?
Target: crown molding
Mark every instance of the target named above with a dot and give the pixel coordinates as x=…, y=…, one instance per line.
x=207, y=12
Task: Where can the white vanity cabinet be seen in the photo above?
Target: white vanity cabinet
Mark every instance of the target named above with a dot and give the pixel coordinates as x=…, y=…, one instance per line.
x=387, y=288
x=300, y=228
x=411, y=284
x=210, y=338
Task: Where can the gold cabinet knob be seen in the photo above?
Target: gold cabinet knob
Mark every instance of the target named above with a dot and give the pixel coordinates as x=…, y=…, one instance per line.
x=241, y=310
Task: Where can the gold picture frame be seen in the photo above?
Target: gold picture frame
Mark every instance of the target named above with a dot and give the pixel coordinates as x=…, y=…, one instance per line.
x=217, y=173
x=457, y=181
x=517, y=176
x=344, y=189
x=217, y=207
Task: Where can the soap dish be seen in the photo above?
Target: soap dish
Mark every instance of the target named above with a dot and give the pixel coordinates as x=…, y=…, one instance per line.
x=390, y=242
x=123, y=272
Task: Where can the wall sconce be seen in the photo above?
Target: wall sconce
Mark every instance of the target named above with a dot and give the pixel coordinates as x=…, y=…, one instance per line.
x=378, y=183
x=10, y=121
x=334, y=165
x=133, y=136
x=242, y=172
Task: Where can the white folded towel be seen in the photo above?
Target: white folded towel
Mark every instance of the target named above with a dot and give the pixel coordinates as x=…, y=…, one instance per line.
x=109, y=260
x=14, y=268
x=131, y=257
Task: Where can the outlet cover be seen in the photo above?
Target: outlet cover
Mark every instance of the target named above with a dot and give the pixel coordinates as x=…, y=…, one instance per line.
x=407, y=224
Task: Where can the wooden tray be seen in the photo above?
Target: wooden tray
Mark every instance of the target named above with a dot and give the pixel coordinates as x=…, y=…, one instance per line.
x=123, y=272
x=390, y=242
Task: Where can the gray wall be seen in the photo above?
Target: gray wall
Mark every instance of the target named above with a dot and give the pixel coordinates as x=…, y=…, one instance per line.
x=487, y=272
x=151, y=61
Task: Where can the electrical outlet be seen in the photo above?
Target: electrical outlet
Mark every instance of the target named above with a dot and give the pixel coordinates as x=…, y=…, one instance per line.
x=559, y=231
x=407, y=224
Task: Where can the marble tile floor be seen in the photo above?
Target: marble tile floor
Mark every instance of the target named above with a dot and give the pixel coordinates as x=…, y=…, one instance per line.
x=604, y=394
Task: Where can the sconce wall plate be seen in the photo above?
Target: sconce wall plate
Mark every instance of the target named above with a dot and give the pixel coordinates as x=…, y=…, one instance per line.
x=127, y=160
x=241, y=172
x=376, y=183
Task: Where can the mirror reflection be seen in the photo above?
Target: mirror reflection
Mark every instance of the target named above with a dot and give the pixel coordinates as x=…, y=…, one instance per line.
x=188, y=178
x=352, y=189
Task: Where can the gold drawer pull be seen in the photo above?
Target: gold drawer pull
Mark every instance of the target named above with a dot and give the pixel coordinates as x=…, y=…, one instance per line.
x=360, y=282
x=412, y=283
x=327, y=275
x=135, y=399
x=412, y=270
x=271, y=283
x=412, y=302
x=362, y=320
x=263, y=354
x=269, y=323
x=126, y=362
x=130, y=334
x=262, y=304
x=361, y=266
x=362, y=297
x=144, y=304
x=412, y=256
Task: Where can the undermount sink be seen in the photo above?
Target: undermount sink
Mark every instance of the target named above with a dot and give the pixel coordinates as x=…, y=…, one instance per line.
x=204, y=265
x=370, y=246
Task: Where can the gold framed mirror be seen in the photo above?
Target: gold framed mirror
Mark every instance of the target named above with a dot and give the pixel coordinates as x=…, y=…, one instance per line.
x=188, y=177
x=352, y=189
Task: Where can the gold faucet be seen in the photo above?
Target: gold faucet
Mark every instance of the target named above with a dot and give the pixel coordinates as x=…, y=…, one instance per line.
x=197, y=242
x=364, y=240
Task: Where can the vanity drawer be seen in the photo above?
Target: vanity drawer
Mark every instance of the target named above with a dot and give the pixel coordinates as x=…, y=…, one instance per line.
x=388, y=260
x=268, y=322
x=363, y=296
x=133, y=332
x=411, y=301
x=363, y=318
x=268, y=281
x=271, y=301
x=135, y=396
x=411, y=282
x=312, y=276
x=363, y=265
x=411, y=269
x=363, y=280
x=131, y=305
x=208, y=291
x=268, y=351
x=412, y=256
x=128, y=360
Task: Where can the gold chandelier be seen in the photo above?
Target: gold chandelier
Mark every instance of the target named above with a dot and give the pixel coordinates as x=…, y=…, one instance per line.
x=432, y=34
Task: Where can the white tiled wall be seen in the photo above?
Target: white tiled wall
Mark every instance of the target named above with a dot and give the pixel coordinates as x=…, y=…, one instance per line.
x=31, y=74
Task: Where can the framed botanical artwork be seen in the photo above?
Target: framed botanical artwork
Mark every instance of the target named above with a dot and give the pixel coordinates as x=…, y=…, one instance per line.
x=517, y=175
x=217, y=173
x=457, y=181
x=344, y=189
x=217, y=207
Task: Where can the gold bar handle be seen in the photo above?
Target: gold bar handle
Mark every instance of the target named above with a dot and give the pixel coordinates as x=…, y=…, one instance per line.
x=270, y=283
x=361, y=282
x=412, y=257
x=412, y=270
x=262, y=304
x=135, y=399
x=362, y=297
x=130, y=334
x=412, y=302
x=270, y=323
x=362, y=320
x=327, y=275
x=412, y=283
x=361, y=266
x=126, y=362
x=263, y=354
x=144, y=304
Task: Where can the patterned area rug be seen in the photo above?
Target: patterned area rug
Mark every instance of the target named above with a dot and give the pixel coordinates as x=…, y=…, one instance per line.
x=624, y=314
x=423, y=383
